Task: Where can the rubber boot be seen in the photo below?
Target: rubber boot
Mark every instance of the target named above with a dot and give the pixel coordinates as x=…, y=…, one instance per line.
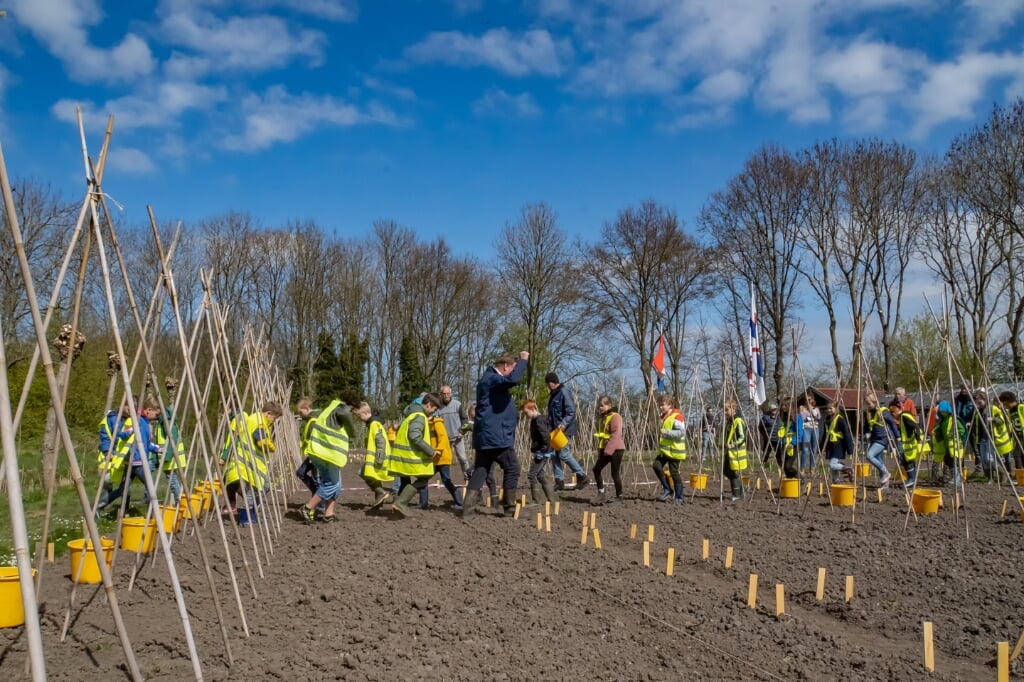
x=379, y=495
x=737, y=489
x=549, y=492
x=600, y=498
x=401, y=503
x=470, y=502
x=679, y=493
x=663, y=480
x=537, y=494
x=508, y=502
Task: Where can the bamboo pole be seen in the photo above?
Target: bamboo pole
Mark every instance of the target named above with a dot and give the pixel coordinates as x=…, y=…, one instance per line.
x=36, y=658
x=133, y=411
x=69, y=448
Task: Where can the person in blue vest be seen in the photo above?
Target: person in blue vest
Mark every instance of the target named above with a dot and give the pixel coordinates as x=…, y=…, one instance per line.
x=562, y=416
x=494, y=429
x=144, y=453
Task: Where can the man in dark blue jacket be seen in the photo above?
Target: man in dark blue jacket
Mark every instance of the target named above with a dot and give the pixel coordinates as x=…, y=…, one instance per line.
x=494, y=429
x=562, y=415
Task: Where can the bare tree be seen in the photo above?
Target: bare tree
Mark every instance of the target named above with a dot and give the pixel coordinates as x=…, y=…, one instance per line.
x=987, y=167
x=754, y=225
x=538, y=271
x=884, y=193
x=639, y=277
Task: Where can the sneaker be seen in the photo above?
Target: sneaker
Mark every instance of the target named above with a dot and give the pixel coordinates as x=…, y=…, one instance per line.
x=665, y=496
x=457, y=507
x=617, y=498
x=679, y=500
x=307, y=515
x=329, y=519
x=559, y=484
x=581, y=482
x=599, y=499
x=885, y=480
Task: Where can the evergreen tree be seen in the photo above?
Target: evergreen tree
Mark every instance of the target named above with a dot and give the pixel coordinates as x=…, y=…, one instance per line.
x=330, y=377
x=353, y=356
x=411, y=381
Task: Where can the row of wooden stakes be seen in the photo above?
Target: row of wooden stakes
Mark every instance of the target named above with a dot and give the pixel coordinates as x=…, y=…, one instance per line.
x=590, y=529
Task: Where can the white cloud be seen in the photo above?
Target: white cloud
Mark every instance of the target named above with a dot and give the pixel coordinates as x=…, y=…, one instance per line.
x=253, y=43
x=399, y=91
x=130, y=160
x=497, y=101
x=867, y=68
x=279, y=116
x=533, y=51
x=61, y=26
x=332, y=10
x=153, y=107
x=952, y=90
x=728, y=85
x=991, y=18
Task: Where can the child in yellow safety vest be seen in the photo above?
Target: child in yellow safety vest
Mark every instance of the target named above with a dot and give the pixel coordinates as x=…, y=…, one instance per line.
x=1013, y=412
x=378, y=447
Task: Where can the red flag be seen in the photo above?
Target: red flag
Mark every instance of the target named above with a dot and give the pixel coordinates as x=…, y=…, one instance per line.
x=658, y=361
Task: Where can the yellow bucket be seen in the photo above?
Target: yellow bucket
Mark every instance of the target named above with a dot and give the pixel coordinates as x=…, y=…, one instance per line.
x=863, y=470
x=790, y=488
x=193, y=508
x=205, y=495
x=843, y=495
x=172, y=517
x=12, y=613
x=926, y=501
x=137, y=535
x=558, y=439
x=90, y=568
x=1019, y=475
x=698, y=481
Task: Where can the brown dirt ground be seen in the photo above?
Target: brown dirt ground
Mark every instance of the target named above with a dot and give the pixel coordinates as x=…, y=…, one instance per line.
x=489, y=598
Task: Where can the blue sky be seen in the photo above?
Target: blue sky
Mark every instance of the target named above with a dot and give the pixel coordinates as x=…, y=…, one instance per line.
x=448, y=115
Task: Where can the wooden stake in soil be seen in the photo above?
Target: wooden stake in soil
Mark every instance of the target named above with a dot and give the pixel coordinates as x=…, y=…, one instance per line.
x=670, y=561
x=1002, y=514
x=632, y=531
x=647, y=553
x=879, y=495
x=583, y=535
x=593, y=520
x=808, y=491
x=540, y=521
x=558, y=506
x=597, y=538
x=487, y=501
x=752, y=591
x=586, y=517
x=758, y=484
x=547, y=524
x=515, y=514
x=523, y=502
x=780, y=599
x=1017, y=649
x=49, y=552
x=821, y=490
x=547, y=507
x=650, y=533
x=728, y=557
x=706, y=550
x=819, y=593
x=849, y=589
x=1003, y=662
x=929, y=647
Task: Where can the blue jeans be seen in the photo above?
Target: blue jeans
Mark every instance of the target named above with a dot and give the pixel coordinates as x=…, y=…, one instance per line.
x=875, y=454
x=445, y=472
x=564, y=455
x=330, y=479
x=125, y=487
x=174, y=485
x=986, y=455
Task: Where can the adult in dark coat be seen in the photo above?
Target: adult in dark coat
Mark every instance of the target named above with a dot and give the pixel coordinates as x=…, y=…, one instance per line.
x=494, y=429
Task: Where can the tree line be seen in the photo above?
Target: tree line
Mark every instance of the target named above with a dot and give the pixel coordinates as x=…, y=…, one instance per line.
x=834, y=232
